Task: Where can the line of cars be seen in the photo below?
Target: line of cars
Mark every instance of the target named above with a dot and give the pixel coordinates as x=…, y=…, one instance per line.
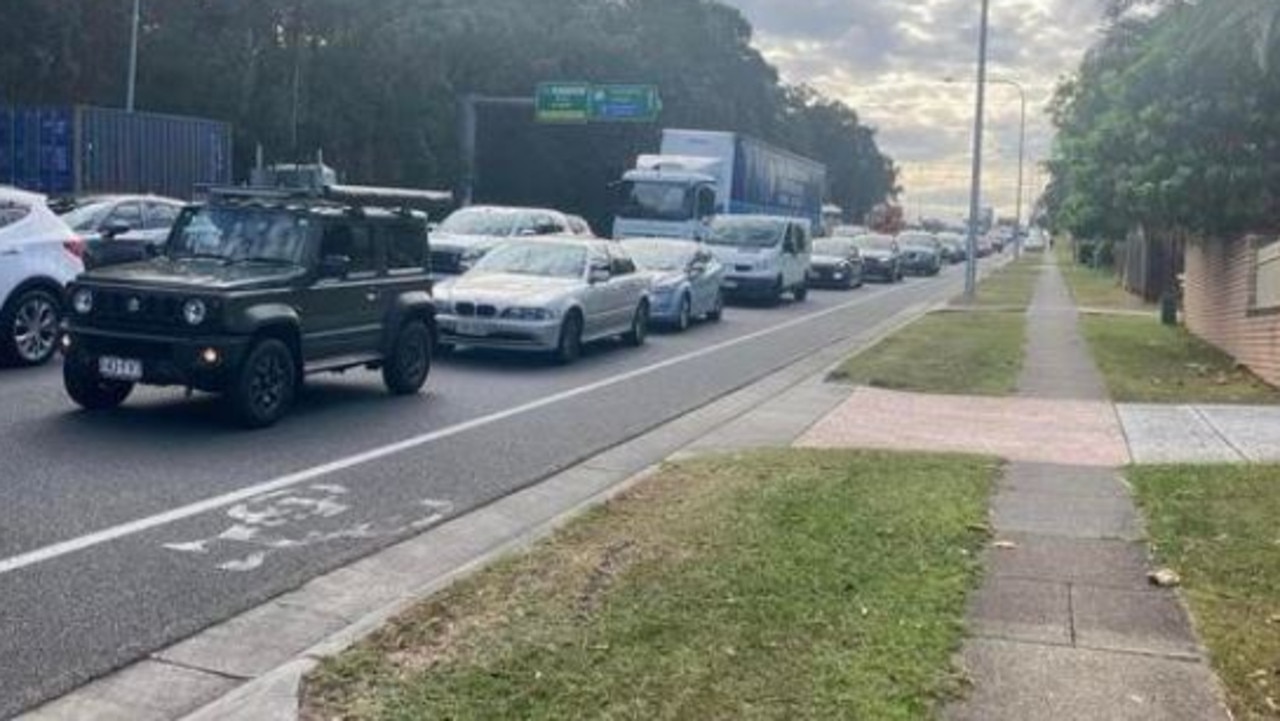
x=255, y=289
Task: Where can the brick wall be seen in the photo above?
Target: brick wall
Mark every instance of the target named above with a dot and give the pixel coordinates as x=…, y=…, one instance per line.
x=1218, y=300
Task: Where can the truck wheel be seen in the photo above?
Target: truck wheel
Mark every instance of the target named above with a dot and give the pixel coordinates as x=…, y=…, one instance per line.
x=265, y=386
x=406, y=370
x=29, y=324
x=639, y=326
x=800, y=293
x=570, y=346
x=91, y=392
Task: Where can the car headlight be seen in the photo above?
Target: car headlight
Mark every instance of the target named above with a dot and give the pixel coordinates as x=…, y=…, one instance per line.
x=194, y=311
x=528, y=314
x=444, y=307
x=82, y=301
x=470, y=257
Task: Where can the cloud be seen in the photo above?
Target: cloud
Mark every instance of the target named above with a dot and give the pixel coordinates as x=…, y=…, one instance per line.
x=890, y=59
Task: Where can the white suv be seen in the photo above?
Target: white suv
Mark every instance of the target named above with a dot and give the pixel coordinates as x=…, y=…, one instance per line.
x=39, y=255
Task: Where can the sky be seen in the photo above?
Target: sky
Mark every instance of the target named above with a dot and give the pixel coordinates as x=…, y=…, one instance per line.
x=909, y=68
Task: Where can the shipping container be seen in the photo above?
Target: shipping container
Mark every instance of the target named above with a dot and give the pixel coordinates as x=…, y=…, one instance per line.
x=78, y=150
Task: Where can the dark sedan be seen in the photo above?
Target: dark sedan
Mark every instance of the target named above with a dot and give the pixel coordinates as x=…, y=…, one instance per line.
x=921, y=253
x=836, y=263
x=881, y=257
x=122, y=228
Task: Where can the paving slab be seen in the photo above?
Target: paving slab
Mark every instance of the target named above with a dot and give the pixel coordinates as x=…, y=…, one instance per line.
x=1036, y=430
x=255, y=642
x=1021, y=610
x=146, y=691
x=1052, y=479
x=1173, y=434
x=1057, y=362
x=1030, y=682
x=1253, y=430
x=1151, y=621
x=1104, y=563
x=1070, y=516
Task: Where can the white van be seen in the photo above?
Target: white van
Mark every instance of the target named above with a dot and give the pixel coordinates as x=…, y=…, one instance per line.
x=764, y=256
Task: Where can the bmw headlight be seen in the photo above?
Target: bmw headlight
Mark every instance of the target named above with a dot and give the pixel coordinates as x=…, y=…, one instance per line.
x=528, y=314
x=470, y=257
x=82, y=301
x=194, y=311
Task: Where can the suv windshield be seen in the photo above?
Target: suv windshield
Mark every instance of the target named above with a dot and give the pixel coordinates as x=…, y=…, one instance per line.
x=656, y=255
x=551, y=260
x=240, y=234
x=479, y=221
x=656, y=201
x=746, y=233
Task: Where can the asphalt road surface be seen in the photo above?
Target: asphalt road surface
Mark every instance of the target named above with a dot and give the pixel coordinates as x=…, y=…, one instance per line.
x=123, y=532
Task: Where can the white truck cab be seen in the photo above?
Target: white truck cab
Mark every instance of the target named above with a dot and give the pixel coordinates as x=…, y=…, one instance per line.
x=668, y=196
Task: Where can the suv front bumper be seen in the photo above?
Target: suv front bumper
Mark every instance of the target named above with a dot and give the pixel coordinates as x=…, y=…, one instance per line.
x=203, y=362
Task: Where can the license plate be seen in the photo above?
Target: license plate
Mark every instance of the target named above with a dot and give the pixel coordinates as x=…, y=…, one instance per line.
x=120, y=369
x=729, y=284
x=471, y=328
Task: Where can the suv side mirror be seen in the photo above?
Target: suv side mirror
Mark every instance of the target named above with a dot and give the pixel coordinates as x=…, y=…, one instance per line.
x=115, y=228
x=334, y=267
x=599, y=274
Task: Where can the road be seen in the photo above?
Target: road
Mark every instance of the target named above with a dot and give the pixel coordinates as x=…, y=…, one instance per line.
x=124, y=532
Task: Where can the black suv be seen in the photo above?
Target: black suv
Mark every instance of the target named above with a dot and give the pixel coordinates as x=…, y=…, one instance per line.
x=254, y=290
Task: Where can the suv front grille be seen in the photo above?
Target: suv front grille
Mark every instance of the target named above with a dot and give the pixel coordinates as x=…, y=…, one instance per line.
x=137, y=310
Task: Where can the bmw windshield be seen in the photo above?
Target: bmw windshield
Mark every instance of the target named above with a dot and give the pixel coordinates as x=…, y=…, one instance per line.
x=547, y=260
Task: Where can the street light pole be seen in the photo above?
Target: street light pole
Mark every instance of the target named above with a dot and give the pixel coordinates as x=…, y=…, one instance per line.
x=1022, y=150
x=133, y=57
x=975, y=190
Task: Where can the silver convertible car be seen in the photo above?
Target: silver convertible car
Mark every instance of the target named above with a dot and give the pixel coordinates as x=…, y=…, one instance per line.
x=549, y=295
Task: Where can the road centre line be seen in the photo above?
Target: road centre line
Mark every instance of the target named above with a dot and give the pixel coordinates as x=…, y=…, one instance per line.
x=113, y=533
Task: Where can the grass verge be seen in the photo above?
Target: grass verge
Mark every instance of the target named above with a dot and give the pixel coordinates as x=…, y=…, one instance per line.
x=1096, y=287
x=784, y=584
x=1217, y=527
x=978, y=353
x=1146, y=362
x=1012, y=285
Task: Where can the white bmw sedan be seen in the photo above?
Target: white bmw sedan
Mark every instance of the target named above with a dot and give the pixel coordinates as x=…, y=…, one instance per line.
x=548, y=295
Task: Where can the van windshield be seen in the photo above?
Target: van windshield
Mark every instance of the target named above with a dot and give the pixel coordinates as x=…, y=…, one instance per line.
x=746, y=232
x=654, y=200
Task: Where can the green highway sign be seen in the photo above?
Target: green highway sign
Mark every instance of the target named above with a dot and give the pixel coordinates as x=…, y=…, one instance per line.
x=563, y=103
x=584, y=103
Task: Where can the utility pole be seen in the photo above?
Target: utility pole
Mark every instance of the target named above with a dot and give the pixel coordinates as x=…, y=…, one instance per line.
x=975, y=191
x=132, y=86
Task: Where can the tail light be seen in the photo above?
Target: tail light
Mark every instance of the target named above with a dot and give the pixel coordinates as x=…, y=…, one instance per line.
x=75, y=246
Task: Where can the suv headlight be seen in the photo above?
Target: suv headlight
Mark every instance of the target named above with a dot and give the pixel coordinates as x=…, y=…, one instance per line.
x=194, y=311
x=82, y=301
x=528, y=314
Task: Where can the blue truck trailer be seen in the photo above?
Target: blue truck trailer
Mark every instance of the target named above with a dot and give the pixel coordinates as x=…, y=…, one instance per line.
x=700, y=174
x=79, y=150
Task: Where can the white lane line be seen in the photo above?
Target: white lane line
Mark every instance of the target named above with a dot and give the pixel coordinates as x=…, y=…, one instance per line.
x=63, y=548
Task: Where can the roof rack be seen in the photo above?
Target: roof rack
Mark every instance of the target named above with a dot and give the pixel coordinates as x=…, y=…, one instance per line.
x=354, y=196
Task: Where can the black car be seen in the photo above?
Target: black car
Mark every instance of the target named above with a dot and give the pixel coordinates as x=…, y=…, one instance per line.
x=881, y=257
x=836, y=262
x=921, y=253
x=253, y=291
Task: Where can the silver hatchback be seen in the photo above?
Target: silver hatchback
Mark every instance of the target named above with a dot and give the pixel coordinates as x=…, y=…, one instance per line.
x=548, y=295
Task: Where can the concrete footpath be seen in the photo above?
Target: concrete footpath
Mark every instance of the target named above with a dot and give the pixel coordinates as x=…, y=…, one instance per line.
x=1065, y=624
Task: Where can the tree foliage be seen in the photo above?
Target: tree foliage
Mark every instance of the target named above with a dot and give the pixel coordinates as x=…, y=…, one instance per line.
x=1171, y=122
x=380, y=83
